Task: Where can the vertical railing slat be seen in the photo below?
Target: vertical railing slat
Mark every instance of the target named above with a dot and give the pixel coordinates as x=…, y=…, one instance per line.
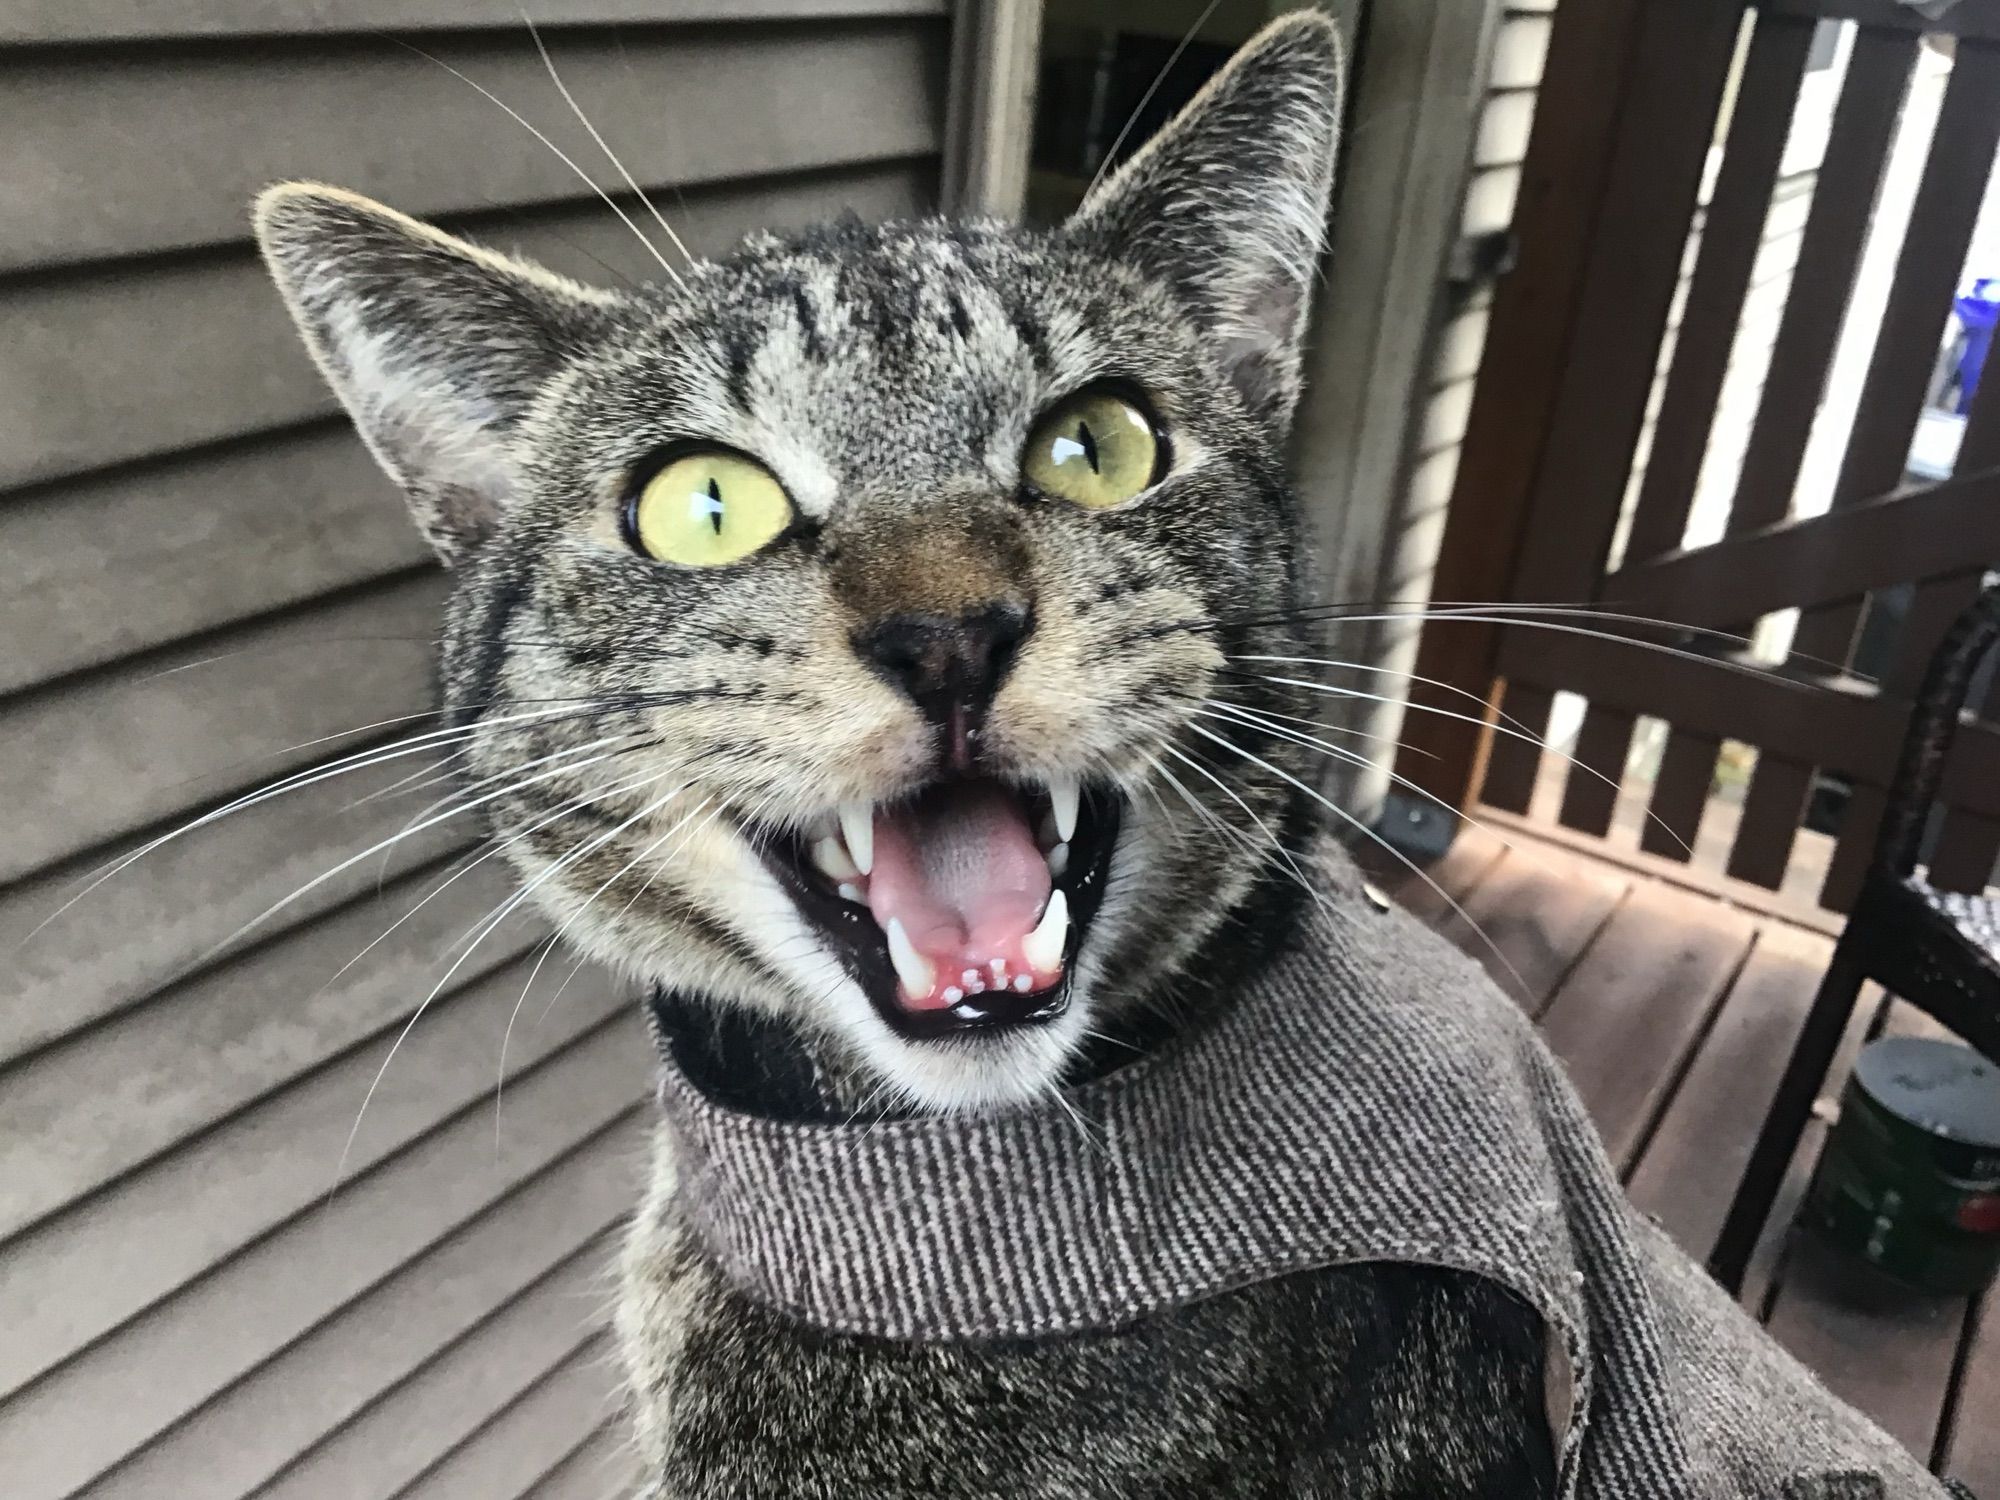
x=1635, y=264
x=1942, y=217
x=1857, y=149
x=1731, y=238
x=1582, y=96
x=1858, y=145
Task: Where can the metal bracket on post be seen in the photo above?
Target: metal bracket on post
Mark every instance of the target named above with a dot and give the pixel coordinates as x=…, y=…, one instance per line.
x=1417, y=828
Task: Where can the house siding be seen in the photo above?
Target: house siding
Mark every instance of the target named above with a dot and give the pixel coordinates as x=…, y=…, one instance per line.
x=205, y=577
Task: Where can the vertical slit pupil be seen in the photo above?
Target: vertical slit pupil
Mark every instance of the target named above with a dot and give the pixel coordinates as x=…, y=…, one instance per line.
x=715, y=509
x=1089, y=440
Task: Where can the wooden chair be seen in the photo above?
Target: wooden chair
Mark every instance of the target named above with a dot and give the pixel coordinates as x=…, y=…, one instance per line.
x=1939, y=950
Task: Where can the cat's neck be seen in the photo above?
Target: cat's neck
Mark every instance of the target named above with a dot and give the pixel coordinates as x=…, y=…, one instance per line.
x=756, y=1064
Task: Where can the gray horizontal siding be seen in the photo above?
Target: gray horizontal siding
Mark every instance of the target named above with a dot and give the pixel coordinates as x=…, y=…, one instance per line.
x=74, y=395
x=206, y=586
x=137, y=931
x=188, y=544
x=441, y=1407
x=163, y=153
x=531, y=1433
x=357, y=1367
x=108, y=1402
x=81, y=1113
x=603, y=1464
x=78, y=1276
x=43, y=21
x=129, y=745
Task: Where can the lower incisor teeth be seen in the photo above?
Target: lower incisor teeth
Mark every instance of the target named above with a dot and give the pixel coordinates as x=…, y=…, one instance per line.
x=912, y=968
x=1042, y=949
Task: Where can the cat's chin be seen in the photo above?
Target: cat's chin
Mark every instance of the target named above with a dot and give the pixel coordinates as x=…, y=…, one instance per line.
x=975, y=1074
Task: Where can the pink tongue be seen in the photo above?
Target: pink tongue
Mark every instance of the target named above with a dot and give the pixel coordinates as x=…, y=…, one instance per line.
x=961, y=871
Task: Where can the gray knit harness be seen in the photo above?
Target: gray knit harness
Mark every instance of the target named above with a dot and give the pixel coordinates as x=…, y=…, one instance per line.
x=1371, y=1097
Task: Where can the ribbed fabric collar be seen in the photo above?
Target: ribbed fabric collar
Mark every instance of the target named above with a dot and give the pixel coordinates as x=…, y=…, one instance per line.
x=1273, y=1140
x=1369, y=1097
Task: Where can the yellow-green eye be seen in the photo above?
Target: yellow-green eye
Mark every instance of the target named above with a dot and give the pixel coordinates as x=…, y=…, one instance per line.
x=709, y=507
x=1094, y=449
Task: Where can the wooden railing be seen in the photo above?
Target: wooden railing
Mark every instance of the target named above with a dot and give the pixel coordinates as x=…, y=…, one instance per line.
x=1583, y=347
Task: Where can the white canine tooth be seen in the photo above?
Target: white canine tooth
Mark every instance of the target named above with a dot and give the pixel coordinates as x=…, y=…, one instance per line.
x=1063, y=796
x=1043, y=948
x=1058, y=859
x=830, y=854
x=849, y=891
x=912, y=967
x=857, y=826
x=1024, y=984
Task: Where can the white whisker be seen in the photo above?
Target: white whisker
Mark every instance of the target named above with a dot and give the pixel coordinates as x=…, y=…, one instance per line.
x=561, y=155
x=499, y=846
x=1509, y=729
x=1277, y=844
x=491, y=922
x=1364, y=829
x=1146, y=98
x=500, y=1079
x=1250, y=719
x=1523, y=617
x=602, y=144
x=407, y=831
x=297, y=781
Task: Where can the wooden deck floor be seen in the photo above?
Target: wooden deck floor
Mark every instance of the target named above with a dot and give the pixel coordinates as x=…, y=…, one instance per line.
x=1675, y=1012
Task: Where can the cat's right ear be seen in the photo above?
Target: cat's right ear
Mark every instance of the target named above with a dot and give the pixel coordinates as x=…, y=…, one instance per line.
x=434, y=345
x=1227, y=204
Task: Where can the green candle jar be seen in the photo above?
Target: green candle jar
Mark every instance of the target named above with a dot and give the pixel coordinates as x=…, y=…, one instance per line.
x=1910, y=1178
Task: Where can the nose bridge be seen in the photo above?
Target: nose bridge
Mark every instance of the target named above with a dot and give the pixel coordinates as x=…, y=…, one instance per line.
x=940, y=602
x=949, y=557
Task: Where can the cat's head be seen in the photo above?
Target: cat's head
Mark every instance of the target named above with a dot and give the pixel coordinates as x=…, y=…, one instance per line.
x=845, y=626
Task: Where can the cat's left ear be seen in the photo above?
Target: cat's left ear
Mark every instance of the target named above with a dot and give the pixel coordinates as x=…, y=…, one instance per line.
x=1228, y=203
x=435, y=346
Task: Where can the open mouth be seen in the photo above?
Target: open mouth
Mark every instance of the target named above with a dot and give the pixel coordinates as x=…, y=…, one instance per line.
x=961, y=908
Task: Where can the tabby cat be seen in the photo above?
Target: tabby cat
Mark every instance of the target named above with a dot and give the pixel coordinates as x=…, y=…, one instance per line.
x=852, y=628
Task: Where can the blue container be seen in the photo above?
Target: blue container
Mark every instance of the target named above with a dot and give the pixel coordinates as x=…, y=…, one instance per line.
x=1977, y=312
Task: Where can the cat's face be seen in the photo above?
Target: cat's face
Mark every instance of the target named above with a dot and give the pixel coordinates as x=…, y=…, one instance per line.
x=846, y=629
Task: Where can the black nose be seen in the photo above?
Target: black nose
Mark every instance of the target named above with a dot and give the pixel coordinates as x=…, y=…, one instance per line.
x=950, y=668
